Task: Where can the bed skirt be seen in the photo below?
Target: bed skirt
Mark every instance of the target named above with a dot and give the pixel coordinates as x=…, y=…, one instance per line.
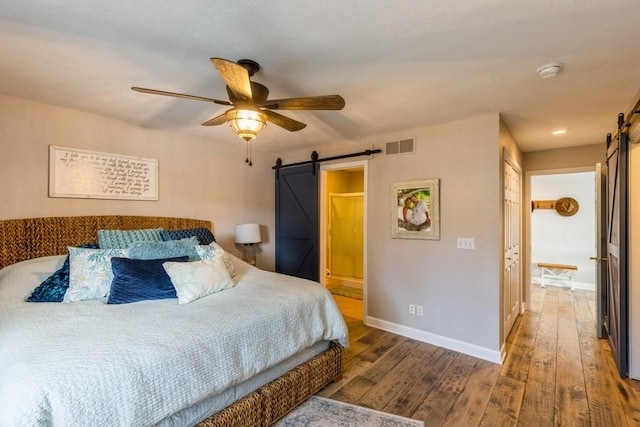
x=274, y=400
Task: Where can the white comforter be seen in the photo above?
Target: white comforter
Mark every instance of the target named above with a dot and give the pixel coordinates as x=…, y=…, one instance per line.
x=90, y=364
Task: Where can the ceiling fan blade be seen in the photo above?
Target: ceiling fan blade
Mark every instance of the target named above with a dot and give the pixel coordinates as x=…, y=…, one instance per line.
x=179, y=95
x=216, y=121
x=284, y=122
x=235, y=76
x=328, y=102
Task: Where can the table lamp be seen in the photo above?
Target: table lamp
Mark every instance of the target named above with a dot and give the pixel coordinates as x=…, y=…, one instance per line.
x=248, y=235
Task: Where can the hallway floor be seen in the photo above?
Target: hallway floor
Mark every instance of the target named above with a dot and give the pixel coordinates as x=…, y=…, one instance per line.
x=556, y=373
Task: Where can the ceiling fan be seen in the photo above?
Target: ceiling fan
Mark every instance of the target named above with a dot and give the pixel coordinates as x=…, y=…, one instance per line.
x=250, y=107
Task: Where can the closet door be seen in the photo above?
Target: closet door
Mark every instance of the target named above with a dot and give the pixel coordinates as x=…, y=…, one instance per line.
x=511, y=283
x=297, y=235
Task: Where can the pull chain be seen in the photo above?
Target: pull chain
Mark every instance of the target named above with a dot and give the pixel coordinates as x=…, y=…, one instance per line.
x=248, y=159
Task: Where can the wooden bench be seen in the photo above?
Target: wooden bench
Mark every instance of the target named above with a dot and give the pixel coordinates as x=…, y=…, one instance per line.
x=556, y=271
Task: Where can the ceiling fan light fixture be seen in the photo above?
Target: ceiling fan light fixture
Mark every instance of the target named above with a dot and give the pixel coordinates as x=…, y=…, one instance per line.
x=246, y=121
x=250, y=107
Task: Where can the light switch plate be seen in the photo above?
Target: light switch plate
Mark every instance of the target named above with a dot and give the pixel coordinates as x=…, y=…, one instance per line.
x=467, y=243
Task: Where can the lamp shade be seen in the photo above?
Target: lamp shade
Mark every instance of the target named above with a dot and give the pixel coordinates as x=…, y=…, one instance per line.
x=248, y=233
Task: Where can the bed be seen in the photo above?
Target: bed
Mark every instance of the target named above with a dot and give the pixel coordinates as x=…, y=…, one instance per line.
x=223, y=360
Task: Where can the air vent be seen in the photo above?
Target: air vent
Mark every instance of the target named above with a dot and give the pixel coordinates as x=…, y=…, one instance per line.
x=404, y=146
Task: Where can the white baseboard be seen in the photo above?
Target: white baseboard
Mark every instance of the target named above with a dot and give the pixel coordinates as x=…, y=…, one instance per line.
x=576, y=285
x=584, y=286
x=494, y=356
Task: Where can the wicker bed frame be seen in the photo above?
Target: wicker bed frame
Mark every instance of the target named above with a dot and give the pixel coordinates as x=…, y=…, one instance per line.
x=22, y=239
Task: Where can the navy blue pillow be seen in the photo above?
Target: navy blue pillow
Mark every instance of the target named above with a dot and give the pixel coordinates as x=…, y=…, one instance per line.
x=203, y=235
x=53, y=288
x=141, y=279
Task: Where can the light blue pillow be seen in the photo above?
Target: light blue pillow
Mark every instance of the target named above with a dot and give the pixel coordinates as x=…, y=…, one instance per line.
x=171, y=248
x=90, y=273
x=122, y=239
x=204, y=235
x=140, y=280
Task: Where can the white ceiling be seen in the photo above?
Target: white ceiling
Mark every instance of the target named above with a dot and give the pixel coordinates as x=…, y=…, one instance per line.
x=399, y=65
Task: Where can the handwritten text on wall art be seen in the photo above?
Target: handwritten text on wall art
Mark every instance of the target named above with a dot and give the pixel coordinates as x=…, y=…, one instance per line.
x=95, y=175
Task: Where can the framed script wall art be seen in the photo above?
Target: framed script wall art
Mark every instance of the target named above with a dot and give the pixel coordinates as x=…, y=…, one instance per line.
x=415, y=209
x=94, y=175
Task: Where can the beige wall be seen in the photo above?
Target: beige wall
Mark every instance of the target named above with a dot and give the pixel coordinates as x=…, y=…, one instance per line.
x=198, y=178
x=565, y=158
x=258, y=203
x=459, y=303
x=208, y=179
x=458, y=289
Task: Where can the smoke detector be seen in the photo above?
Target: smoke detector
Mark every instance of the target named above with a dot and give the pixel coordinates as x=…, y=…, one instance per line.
x=549, y=70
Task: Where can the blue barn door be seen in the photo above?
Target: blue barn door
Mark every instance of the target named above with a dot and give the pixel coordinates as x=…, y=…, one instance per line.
x=297, y=231
x=616, y=323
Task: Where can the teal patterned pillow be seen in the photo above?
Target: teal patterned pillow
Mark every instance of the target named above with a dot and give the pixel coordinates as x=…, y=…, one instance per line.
x=90, y=273
x=172, y=248
x=122, y=239
x=194, y=280
x=53, y=288
x=214, y=251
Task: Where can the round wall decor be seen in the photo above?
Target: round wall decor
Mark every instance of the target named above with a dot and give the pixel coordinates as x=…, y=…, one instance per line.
x=567, y=206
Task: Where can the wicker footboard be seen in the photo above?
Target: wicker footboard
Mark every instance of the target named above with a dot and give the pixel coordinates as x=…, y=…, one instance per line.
x=272, y=401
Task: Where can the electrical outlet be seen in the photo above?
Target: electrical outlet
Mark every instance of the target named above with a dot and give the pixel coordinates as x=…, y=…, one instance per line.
x=419, y=310
x=412, y=309
x=465, y=243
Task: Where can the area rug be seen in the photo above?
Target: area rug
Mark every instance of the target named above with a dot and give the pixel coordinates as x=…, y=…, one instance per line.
x=345, y=291
x=322, y=412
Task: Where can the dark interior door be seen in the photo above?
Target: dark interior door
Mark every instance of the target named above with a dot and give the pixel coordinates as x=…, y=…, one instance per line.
x=297, y=231
x=617, y=237
x=601, y=249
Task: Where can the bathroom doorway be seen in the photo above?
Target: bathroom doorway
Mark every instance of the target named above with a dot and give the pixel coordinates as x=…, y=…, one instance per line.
x=342, y=235
x=345, y=238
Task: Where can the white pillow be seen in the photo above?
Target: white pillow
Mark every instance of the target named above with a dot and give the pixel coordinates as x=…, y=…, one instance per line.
x=90, y=273
x=214, y=250
x=194, y=280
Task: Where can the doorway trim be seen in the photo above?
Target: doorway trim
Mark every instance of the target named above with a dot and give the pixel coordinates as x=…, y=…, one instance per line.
x=527, y=223
x=324, y=168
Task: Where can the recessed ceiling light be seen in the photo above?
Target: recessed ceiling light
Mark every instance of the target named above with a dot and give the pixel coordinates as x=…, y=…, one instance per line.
x=559, y=132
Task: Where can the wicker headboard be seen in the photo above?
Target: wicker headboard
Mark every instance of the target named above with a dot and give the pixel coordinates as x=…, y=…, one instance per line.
x=22, y=239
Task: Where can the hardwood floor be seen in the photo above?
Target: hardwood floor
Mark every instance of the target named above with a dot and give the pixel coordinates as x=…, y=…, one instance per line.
x=556, y=373
x=349, y=307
